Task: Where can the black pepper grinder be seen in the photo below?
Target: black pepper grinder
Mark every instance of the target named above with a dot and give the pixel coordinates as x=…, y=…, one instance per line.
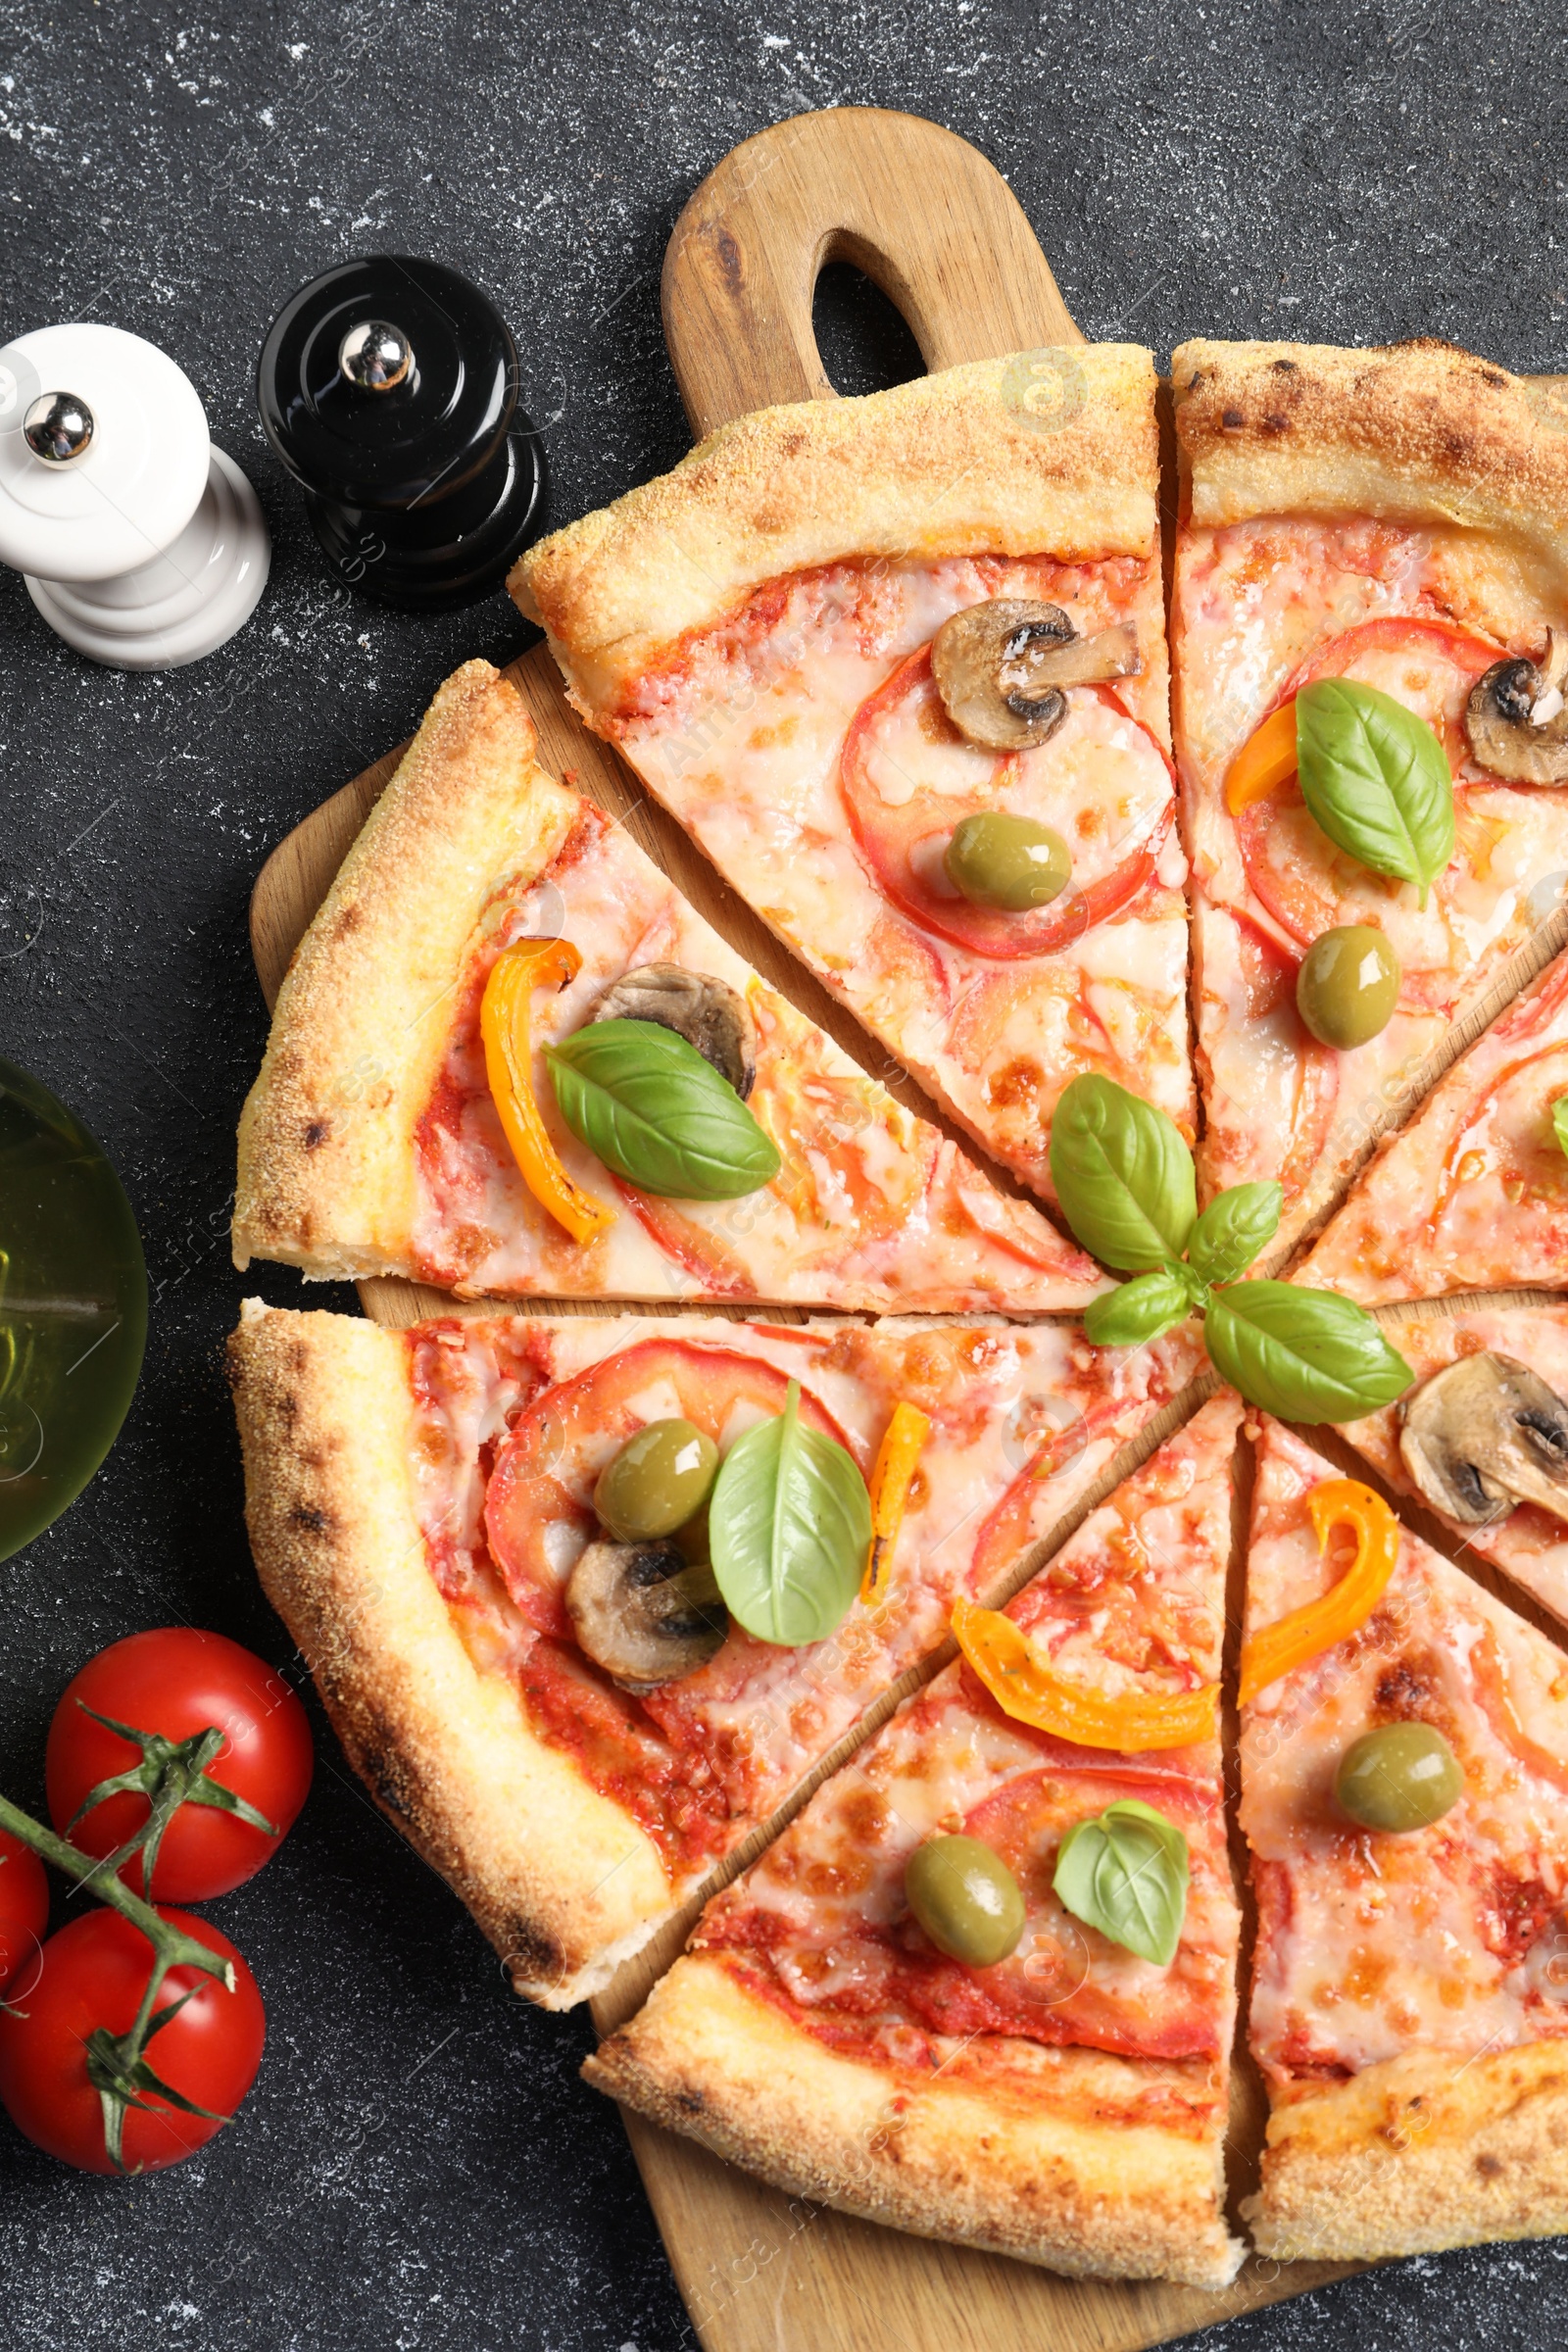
x=389, y=389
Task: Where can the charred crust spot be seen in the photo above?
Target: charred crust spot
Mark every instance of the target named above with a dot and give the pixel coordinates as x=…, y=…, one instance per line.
x=1285, y=367
x=1275, y=423
x=380, y=1774
x=690, y=2102
x=531, y=1956
x=305, y=1516
x=1402, y=1691
x=1499, y=383
x=316, y=1133
x=1487, y=2166
x=1194, y=381
x=1232, y=419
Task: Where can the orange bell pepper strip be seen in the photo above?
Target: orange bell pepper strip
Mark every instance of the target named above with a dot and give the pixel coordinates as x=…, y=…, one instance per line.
x=891, y=1474
x=1265, y=761
x=1291, y=1640
x=1030, y=1691
x=503, y=1027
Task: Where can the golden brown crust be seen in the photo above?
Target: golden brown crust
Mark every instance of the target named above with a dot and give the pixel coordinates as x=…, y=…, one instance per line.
x=1417, y=2154
x=1044, y=2177
x=1046, y=452
x=326, y=1138
x=559, y=1878
x=1418, y=432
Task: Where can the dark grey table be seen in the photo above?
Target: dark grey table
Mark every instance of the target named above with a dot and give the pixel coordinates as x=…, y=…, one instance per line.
x=418, y=2165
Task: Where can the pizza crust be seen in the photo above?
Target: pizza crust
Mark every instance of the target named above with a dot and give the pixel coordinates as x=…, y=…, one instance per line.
x=1418, y=2154
x=1091, y=2192
x=1418, y=432
x=1052, y=452
x=563, y=1882
x=326, y=1138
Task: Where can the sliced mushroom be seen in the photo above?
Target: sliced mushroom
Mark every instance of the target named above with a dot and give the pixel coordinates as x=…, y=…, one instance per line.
x=643, y=1614
x=1516, y=720
x=1002, y=668
x=705, y=1012
x=1483, y=1435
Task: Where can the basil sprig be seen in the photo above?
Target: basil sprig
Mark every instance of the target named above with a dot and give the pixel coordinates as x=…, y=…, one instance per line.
x=1559, y=1119
x=1123, y=1175
x=1375, y=778
x=789, y=1525
x=652, y=1109
x=1125, y=1871
x=1306, y=1355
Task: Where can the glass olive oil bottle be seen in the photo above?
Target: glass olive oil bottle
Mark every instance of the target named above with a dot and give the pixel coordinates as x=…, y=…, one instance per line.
x=72, y=1308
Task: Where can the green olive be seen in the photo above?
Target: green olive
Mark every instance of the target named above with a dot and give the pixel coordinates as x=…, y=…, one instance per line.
x=657, y=1481
x=1402, y=1776
x=1008, y=861
x=1348, y=985
x=966, y=1900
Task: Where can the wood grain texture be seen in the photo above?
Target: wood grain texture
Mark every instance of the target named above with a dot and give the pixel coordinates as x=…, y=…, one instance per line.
x=917, y=209
x=939, y=230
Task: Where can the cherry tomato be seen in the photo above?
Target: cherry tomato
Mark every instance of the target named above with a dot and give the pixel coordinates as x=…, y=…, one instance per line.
x=94, y=1973
x=177, y=1682
x=24, y=1907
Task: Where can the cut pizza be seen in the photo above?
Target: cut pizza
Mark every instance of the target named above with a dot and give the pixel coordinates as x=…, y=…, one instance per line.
x=1473, y=1194
x=983, y=1985
x=1405, y=1760
x=586, y=1598
x=509, y=1058
x=1367, y=630
x=1482, y=1436
x=898, y=665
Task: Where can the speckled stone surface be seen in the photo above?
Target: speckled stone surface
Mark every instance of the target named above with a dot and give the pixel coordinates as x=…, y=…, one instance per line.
x=418, y=2165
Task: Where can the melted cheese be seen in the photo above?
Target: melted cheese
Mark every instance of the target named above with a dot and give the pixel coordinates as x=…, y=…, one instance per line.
x=871, y=1208
x=824, y=1914
x=741, y=738
x=742, y=1731
x=1252, y=603
x=1443, y=1938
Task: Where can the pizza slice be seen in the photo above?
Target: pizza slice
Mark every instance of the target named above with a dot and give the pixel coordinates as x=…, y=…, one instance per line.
x=378, y=1140
x=575, y=1691
x=1473, y=1194
x=898, y=665
x=927, y=2004
x=1404, y=1762
x=1369, y=565
x=1482, y=1436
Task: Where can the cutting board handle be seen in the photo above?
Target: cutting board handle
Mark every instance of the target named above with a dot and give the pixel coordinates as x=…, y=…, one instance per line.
x=918, y=208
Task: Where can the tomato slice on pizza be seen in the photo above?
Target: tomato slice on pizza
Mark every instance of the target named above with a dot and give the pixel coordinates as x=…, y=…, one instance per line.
x=374, y=1143
x=919, y=2007
x=1473, y=1194
x=1360, y=534
x=548, y=1681
x=878, y=655
x=1404, y=1764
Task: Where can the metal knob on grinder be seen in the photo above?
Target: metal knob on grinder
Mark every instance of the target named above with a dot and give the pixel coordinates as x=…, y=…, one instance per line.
x=389, y=389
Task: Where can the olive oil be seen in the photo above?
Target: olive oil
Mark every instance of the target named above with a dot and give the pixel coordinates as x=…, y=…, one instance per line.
x=72, y=1308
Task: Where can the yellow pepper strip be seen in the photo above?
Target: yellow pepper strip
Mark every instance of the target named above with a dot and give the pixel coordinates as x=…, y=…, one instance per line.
x=1265, y=761
x=891, y=1474
x=1027, y=1689
x=1291, y=1640
x=504, y=1026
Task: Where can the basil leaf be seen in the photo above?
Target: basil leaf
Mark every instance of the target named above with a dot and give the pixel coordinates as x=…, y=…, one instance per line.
x=1306, y=1355
x=789, y=1524
x=1234, y=1226
x=1140, y=1310
x=1123, y=1175
x=1125, y=1871
x=652, y=1109
x=1376, y=779
x=1559, y=1119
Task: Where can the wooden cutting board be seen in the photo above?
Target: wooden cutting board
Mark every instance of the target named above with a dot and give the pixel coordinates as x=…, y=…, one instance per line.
x=930, y=221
